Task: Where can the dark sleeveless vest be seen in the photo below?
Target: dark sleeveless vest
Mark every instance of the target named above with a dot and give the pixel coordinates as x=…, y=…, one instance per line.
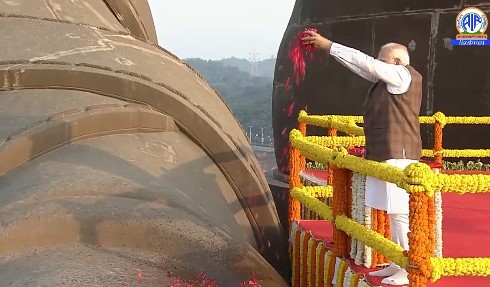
x=391, y=123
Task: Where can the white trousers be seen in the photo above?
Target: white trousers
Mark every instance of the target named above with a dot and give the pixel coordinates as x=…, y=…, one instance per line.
x=387, y=196
x=399, y=229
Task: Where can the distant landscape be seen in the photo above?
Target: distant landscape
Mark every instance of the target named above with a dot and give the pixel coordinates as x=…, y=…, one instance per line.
x=247, y=89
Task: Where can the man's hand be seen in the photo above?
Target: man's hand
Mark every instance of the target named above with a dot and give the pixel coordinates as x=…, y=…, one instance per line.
x=315, y=39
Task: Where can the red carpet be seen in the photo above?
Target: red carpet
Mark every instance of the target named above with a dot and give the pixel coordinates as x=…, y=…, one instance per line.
x=466, y=233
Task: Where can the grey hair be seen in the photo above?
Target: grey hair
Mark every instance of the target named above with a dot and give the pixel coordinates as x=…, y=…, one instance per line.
x=397, y=51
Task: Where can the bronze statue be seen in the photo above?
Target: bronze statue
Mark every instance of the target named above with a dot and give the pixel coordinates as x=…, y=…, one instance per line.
x=119, y=164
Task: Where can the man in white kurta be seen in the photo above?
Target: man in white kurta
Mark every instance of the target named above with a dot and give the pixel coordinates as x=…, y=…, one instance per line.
x=390, y=67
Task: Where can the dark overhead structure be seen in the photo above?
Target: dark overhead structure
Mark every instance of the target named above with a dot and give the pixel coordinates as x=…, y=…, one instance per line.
x=456, y=79
x=118, y=163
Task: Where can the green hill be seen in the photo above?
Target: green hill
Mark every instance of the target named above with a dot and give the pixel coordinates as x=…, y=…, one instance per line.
x=250, y=98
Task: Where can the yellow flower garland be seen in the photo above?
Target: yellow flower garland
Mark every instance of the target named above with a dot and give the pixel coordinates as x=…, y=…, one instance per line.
x=323, y=121
x=345, y=141
x=340, y=273
x=319, y=251
x=295, y=262
x=354, y=229
x=346, y=124
x=316, y=191
x=313, y=204
x=312, y=261
x=372, y=239
x=455, y=153
x=443, y=120
x=342, y=159
x=460, y=267
x=415, y=178
x=355, y=280
x=437, y=117
x=304, y=258
x=328, y=260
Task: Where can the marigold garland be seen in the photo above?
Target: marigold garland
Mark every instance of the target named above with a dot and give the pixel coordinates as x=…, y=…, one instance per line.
x=355, y=280
x=382, y=226
x=295, y=262
x=348, y=207
x=420, y=248
x=331, y=168
x=320, y=267
x=438, y=142
x=302, y=159
x=431, y=224
x=343, y=124
x=331, y=141
x=317, y=191
x=444, y=120
x=384, y=221
x=312, y=260
x=294, y=181
x=387, y=224
x=329, y=269
x=460, y=267
x=304, y=256
x=348, y=275
x=438, y=224
x=466, y=120
x=340, y=273
x=418, y=179
x=366, y=250
x=341, y=186
x=323, y=121
x=332, y=132
x=374, y=227
x=348, y=125
x=360, y=213
x=456, y=153
x=373, y=239
x=302, y=128
x=313, y=204
x=331, y=259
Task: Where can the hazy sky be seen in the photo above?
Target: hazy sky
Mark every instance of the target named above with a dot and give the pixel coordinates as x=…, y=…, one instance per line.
x=216, y=29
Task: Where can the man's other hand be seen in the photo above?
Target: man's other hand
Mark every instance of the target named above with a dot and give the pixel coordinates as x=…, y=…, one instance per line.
x=315, y=39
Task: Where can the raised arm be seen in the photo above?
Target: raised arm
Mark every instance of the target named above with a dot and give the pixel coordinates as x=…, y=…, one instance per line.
x=397, y=77
x=344, y=56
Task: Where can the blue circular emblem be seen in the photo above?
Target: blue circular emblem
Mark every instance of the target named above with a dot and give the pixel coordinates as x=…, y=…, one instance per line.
x=471, y=21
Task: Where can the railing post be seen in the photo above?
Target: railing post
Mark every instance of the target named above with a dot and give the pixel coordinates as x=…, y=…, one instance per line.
x=294, y=181
x=439, y=123
x=297, y=162
x=420, y=248
x=341, y=205
x=330, y=171
x=437, y=142
x=302, y=129
x=331, y=168
x=381, y=224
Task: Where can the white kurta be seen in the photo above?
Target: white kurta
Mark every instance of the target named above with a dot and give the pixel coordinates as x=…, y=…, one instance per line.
x=386, y=195
x=396, y=77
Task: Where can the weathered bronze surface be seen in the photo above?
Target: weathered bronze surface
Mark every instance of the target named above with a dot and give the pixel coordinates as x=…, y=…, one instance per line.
x=119, y=164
